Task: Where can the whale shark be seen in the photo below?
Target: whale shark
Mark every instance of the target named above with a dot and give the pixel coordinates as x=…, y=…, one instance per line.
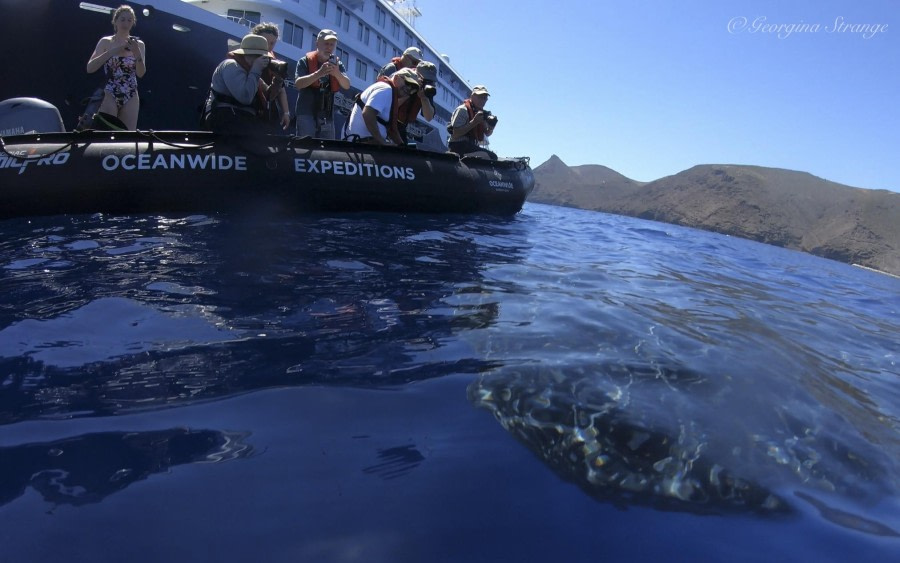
x=659, y=436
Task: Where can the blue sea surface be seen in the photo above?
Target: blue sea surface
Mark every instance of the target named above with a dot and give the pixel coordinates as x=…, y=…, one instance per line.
x=562, y=385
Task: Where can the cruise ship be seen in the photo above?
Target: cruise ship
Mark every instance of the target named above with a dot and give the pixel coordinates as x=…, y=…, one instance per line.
x=186, y=39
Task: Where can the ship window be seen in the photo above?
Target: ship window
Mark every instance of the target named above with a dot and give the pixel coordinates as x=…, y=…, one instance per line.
x=323, y=7
x=292, y=34
x=342, y=19
x=363, y=32
x=244, y=17
x=381, y=46
x=380, y=17
x=395, y=29
x=343, y=55
x=361, y=69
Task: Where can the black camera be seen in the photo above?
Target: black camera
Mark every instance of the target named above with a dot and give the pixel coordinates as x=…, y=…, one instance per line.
x=279, y=67
x=332, y=59
x=489, y=118
x=429, y=90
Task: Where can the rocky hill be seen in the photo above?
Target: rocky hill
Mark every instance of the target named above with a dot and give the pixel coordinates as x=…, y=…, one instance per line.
x=782, y=207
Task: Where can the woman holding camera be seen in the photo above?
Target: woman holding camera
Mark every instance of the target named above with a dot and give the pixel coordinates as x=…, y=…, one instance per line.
x=235, y=91
x=123, y=57
x=273, y=79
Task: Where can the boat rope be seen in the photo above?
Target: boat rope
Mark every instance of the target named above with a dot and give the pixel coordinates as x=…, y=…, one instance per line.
x=4, y=150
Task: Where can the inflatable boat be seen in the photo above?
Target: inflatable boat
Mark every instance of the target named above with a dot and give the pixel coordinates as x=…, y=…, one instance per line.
x=50, y=173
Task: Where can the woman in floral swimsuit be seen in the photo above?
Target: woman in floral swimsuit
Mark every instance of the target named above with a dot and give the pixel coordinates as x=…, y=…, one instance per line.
x=123, y=58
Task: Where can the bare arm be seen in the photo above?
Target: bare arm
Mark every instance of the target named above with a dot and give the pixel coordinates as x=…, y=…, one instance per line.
x=308, y=79
x=370, y=118
x=427, y=107
x=285, y=110
x=462, y=130
x=100, y=55
x=140, y=58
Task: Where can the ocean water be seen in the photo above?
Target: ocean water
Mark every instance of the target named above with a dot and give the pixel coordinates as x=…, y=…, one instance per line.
x=558, y=386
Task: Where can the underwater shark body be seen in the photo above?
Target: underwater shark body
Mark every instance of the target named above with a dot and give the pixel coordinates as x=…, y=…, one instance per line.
x=644, y=434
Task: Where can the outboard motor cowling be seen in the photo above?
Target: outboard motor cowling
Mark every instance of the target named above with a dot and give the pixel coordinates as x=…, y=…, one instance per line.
x=19, y=116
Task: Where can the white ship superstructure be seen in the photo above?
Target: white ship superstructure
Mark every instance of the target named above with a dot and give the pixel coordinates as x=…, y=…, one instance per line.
x=370, y=33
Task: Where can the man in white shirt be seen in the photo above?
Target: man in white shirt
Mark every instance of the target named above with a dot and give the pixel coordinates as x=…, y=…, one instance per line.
x=374, y=115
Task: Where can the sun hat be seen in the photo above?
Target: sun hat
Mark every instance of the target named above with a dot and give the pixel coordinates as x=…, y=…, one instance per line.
x=480, y=89
x=427, y=70
x=413, y=52
x=326, y=34
x=253, y=45
x=409, y=76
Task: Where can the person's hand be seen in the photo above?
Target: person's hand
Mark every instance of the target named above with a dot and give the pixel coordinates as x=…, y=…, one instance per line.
x=479, y=118
x=325, y=69
x=285, y=120
x=259, y=64
x=334, y=68
x=119, y=50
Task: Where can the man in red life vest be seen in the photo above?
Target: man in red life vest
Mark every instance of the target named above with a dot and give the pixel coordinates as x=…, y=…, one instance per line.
x=421, y=102
x=319, y=75
x=374, y=116
x=409, y=59
x=471, y=124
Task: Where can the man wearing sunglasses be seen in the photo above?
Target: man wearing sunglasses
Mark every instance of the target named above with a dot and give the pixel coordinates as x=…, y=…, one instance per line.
x=374, y=115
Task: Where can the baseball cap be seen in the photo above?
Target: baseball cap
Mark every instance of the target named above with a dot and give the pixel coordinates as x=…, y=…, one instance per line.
x=414, y=52
x=325, y=35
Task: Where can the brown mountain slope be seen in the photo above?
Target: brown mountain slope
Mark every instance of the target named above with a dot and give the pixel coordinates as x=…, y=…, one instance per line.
x=585, y=187
x=782, y=207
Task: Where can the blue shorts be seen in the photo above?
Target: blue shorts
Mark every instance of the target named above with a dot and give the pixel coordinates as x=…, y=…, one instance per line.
x=321, y=127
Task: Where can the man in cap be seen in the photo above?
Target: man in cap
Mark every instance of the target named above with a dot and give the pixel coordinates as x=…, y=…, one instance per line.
x=409, y=59
x=422, y=102
x=471, y=124
x=374, y=116
x=234, y=88
x=319, y=75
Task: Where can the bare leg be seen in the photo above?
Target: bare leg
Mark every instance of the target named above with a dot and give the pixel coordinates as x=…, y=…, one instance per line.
x=129, y=113
x=108, y=105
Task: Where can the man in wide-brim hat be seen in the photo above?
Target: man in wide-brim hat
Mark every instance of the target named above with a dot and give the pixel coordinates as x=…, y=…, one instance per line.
x=235, y=84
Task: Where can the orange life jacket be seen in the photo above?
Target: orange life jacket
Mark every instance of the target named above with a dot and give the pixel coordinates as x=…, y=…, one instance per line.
x=478, y=132
x=409, y=110
x=312, y=63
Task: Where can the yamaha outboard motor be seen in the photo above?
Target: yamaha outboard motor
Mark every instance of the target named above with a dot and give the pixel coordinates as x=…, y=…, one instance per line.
x=19, y=116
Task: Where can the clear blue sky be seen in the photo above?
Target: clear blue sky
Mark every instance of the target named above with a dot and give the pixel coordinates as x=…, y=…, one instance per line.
x=651, y=88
